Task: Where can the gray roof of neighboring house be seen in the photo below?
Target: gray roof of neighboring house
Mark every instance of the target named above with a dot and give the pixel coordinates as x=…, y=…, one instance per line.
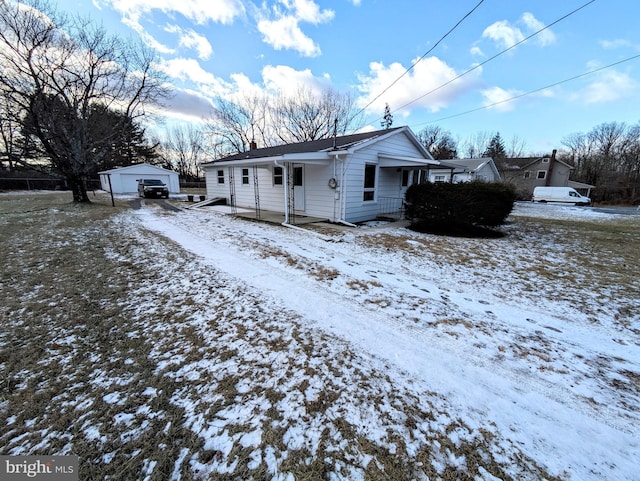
x=470, y=164
x=338, y=143
x=519, y=163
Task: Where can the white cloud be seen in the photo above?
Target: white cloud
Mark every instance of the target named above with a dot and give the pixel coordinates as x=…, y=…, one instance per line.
x=187, y=105
x=610, y=86
x=476, y=51
x=428, y=75
x=499, y=96
x=308, y=11
x=197, y=11
x=281, y=29
x=187, y=69
x=618, y=43
x=285, y=33
x=544, y=38
x=505, y=35
x=192, y=40
x=282, y=78
x=146, y=37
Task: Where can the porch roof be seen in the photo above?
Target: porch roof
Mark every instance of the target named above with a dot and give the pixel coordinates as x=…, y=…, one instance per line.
x=396, y=161
x=321, y=158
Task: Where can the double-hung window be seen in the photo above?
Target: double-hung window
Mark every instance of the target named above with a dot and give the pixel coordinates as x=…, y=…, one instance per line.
x=277, y=176
x=369, y=182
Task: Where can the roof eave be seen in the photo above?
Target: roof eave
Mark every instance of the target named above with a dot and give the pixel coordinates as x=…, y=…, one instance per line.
x=301, y=158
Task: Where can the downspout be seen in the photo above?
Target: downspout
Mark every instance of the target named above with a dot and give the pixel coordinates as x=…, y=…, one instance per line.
x=285, y=175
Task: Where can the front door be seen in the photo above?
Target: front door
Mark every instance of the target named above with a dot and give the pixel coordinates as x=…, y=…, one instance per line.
x=298, y=187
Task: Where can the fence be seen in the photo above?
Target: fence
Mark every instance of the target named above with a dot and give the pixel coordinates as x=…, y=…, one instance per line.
x=391, y=207
x=32, y=183
x=41, y=183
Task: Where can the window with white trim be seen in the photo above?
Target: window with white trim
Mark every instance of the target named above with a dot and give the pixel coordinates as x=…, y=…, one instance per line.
x=439, y=178
x=245, y=176
x=277, y=176
x=542, y=174
x=369, y=182
x=221, y=177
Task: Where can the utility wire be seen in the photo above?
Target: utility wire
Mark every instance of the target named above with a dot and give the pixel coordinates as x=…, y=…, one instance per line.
x=421, y=58
x=495, y=56
x=533, y=91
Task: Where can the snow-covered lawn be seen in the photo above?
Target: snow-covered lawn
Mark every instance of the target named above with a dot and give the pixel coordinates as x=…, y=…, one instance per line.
x=244, y=350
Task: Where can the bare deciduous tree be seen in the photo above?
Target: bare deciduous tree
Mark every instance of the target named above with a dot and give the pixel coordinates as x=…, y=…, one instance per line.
x=607, y=156
x=476, y=144
x=306, y=116
x=185, y=147
x=56, y=70
x=238, y=123
x=438, y=142
x=516, y=147
x=287, y=118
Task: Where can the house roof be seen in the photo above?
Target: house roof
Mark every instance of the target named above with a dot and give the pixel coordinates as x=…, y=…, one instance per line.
x=471, y=164
x=521, y=163
x=135, y=167
x=318, y=150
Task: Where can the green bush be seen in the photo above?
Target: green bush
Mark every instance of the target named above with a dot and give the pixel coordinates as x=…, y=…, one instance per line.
x=468, y=204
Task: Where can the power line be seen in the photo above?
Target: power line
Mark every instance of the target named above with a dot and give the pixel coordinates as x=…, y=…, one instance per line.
x=496, y=55
x=421, y=58
x=532, y=91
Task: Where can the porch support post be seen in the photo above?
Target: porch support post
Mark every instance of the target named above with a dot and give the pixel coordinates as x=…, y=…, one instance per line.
x=285, y=175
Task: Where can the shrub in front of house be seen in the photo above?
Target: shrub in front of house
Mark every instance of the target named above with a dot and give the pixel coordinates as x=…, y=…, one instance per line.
x=466, y=208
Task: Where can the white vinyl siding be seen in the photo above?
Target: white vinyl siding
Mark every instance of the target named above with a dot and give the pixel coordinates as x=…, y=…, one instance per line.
x=342, y=203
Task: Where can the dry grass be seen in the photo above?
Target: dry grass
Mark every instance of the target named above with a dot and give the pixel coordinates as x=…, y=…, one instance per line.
x=123, y=367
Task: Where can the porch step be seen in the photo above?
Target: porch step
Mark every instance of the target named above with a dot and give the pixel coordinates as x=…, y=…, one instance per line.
x=214, y=201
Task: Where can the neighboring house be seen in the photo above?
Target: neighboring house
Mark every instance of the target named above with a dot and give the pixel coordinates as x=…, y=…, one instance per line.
x=525, y=174
x=467, y=170
x=350, y=178
x=124, y=180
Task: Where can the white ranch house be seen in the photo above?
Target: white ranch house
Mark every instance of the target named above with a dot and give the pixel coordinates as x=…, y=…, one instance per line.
x=348, y=179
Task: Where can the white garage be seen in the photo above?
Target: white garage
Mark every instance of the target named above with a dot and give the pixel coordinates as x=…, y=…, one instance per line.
x=125, y=179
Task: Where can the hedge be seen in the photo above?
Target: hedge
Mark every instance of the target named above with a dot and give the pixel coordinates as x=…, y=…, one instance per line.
x=468, y=203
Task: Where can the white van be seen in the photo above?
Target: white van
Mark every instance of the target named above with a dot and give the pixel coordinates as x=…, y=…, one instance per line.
x=559, y=194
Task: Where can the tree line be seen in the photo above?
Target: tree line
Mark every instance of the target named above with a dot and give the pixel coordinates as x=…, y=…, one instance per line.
x=607, y=156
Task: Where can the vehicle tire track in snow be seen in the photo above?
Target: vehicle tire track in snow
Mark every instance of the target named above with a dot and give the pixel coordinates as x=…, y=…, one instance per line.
x=467, y=381
x=524, y=382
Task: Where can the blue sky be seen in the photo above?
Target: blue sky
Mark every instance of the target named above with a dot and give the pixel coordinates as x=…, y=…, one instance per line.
x=225, y=47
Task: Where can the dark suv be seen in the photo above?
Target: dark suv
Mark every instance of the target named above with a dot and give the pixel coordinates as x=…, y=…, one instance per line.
x=152, y=188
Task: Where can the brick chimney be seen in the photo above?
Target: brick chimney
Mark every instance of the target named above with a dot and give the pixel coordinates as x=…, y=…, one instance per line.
x=253, y=145
x=552, y=160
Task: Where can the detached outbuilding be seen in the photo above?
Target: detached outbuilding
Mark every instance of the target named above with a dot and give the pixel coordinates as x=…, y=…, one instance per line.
x=124, y=180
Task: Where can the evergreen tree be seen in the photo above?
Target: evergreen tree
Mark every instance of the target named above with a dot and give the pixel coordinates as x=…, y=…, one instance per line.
x=496, y=148
x=387, y=119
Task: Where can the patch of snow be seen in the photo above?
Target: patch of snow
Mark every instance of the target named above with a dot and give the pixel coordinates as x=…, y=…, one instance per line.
x=488, y=348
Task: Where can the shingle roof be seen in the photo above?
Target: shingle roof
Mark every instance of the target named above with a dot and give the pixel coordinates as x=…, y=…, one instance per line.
x=341, y=143
x=471, y=164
